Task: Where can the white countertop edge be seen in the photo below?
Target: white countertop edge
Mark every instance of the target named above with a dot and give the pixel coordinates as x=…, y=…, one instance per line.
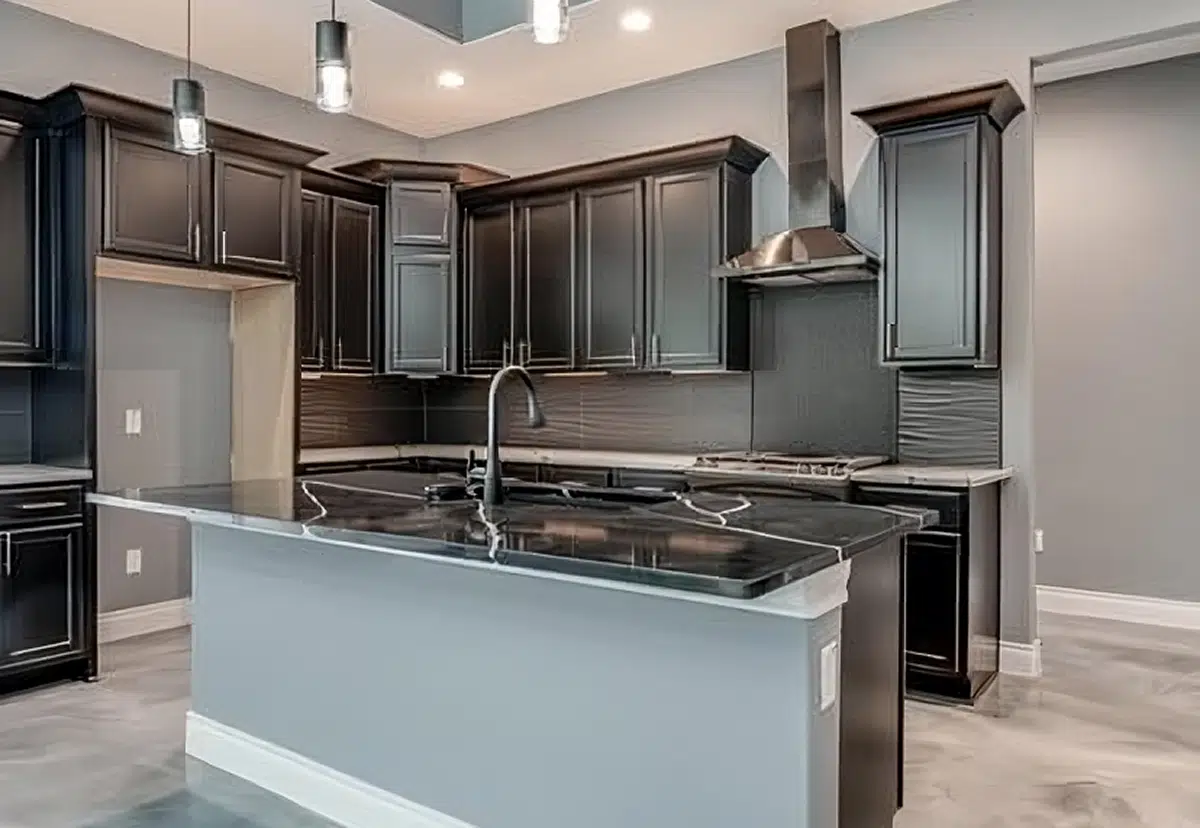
x=806, y=599
x=952, y=476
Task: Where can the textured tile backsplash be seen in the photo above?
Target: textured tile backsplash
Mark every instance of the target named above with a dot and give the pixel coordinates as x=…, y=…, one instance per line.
x=15, y=422
x=950, y=417
x=340, y=411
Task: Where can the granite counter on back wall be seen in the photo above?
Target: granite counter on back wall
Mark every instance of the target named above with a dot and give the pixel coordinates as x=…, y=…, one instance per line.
x=27, y=474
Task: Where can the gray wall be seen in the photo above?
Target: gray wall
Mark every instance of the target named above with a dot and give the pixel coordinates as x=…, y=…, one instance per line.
x=15, y=405
x=43, y=53
x=1118, y=195
x=165, y=350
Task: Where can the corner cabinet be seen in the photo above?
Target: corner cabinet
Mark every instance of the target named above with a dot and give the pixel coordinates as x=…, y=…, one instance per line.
x=941, y=282
x=24, y=288
x=610, y=266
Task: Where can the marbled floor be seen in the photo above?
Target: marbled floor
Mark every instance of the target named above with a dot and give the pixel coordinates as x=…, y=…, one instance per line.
x=1110, y=738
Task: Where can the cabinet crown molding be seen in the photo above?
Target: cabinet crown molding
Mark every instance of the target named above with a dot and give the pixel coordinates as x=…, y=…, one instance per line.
x=731, y=149
x=999, y=102
x=395, y=169
x=76, y=101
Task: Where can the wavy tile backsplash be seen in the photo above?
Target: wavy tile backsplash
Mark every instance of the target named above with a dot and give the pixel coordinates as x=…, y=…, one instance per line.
x=950, y=418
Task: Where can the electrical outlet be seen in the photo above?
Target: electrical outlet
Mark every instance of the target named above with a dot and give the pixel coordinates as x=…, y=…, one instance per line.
x=830, y=671
x=133, y=421
x=1039, y=541
x=133, y=562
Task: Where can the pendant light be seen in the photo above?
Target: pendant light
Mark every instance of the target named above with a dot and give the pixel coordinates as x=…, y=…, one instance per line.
x=333, y=63
x=187, y=104
x=549, y=19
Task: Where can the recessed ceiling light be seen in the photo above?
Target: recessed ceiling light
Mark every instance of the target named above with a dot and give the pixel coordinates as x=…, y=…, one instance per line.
x=450, y=79
x=636, y=20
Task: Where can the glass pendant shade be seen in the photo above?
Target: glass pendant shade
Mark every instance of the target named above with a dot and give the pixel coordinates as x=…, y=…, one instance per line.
x=333, y=66
x=187, y=105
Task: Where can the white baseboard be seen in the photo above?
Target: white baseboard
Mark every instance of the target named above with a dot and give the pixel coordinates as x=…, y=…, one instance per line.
x=1017, y=659
x=324, y=791
x=1136, y=609
x=127, y=623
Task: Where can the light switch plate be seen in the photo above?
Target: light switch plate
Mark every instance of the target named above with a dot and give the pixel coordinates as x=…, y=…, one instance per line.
x=133, y=562
x=133, y=421
x=830, y=673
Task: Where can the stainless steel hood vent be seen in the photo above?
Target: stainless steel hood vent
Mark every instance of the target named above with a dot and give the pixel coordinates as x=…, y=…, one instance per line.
x=817, y=250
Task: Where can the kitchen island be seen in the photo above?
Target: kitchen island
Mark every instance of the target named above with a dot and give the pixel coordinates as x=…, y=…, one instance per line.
x=567, y=658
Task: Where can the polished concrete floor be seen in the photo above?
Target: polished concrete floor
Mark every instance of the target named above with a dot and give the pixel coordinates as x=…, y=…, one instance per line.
x=1110, y=738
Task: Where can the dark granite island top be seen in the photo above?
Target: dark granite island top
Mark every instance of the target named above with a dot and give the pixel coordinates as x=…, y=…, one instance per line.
x=726, y=544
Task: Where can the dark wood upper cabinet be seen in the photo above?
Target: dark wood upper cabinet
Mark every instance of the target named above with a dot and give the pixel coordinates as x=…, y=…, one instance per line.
x=23, y=288
x=420, y=312
x=152, y=199
x=685, y=300
x=38, y=592
x=353, y=240
x=942, y=201
x=313, y=284
x=544, y=288
x=612, y=275
x=420, y=212
x=254, y=204
x=490, y=233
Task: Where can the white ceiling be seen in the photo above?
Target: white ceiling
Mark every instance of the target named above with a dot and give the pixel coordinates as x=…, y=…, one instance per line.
x=396, y=61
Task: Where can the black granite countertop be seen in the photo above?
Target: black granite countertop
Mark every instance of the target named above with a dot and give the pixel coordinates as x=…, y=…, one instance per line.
x=739, y=545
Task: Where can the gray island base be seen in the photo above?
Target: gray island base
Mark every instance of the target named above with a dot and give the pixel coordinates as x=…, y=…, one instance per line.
x=387, y=687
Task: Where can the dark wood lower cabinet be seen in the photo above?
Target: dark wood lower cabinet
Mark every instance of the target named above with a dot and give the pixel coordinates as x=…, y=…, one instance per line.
x=952, y=589
x=47, y=579
x=38, y=592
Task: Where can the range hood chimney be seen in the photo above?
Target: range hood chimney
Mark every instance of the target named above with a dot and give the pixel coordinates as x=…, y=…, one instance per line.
x=817, y=249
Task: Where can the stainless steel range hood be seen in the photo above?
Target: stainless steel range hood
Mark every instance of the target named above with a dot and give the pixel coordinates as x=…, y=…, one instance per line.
x=817, y=250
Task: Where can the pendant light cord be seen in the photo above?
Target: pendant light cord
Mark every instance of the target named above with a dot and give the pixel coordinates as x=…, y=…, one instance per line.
x=189, y=39
x=333, y=9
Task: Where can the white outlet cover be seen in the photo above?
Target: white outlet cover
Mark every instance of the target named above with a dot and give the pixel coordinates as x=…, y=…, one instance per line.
x=133, y=421
x=133, y=562
x=1039, y=540
x=830, y=671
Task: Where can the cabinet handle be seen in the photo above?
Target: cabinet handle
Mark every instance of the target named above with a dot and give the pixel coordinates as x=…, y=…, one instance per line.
x=504, y=354
x=927, y=655
x=321, y=350
x=7, y=538
x=525, y=353
x=889, y=339
x=633, y=347
x=222, y=245
x=338, y=361
x=196, y=240
x=655, y=349
x=49, y=504
x=445, y=357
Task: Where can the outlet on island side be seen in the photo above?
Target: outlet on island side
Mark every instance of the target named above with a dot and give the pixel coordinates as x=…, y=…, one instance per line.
x=133, y=421
x=133, y=562
x=1039, y=541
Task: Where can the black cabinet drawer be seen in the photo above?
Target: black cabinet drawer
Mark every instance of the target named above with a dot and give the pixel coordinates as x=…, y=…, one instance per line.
x=587, y=475
x=951, y=507
x=28, y=505
x=934, y=595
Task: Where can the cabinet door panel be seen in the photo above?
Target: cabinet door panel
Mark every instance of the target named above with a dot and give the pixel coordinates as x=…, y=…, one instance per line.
x=151, y=199
x=612, y=278
x=353, y=258
x=314, y=296
x=420, y=213
x=20, y=317
x=546, y=324
x=419, y=315
x=489, y=288
x=686, y=299
x=40, y=568
x=932, y=243
x=254, y=215
x=932, y=603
